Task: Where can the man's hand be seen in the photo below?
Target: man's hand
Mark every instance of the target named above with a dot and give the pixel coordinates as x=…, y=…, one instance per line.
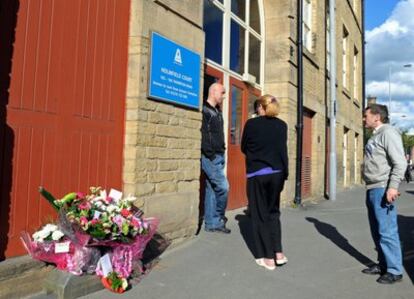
x=392, y=194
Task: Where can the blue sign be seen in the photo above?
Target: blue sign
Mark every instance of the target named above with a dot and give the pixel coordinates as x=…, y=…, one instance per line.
x=174, y=72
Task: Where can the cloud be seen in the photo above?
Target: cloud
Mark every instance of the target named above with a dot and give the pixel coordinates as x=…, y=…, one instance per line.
x=389, y=47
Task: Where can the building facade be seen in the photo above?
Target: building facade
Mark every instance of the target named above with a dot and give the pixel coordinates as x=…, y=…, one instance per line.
x=248, y=45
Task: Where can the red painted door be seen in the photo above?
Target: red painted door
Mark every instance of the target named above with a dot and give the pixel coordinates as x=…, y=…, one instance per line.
x=241, y=98
x=62, y=126
x=307, y=155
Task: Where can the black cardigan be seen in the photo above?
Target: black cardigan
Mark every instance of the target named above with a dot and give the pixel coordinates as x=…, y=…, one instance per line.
x=264, y=144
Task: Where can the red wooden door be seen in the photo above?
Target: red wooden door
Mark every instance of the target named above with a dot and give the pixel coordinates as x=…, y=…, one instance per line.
x=307, y=155
x=241, y=98
x=65, y=107
x=327, y=157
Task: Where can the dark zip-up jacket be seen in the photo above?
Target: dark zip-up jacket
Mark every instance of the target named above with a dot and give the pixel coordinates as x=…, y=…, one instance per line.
x=212, y=132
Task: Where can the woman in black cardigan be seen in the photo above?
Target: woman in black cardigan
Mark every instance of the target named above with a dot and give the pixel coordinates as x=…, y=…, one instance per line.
x=264, y=143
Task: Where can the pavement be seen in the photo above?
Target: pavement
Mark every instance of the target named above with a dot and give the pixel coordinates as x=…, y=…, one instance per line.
x=328, y=244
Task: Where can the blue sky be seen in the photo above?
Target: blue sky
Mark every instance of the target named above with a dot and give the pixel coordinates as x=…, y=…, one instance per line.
x=377, y=11
x=389, y=48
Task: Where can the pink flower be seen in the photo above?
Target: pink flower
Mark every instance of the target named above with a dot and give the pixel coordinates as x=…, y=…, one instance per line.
x=83, y=220
x=135, y=222
x=94, y=221
x=125, y=213
x=118, y=220
x=80, y=195
x=108, y=200
x=85, y=205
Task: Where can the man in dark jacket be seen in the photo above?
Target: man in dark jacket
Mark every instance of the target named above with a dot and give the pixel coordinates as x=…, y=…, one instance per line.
x=213, y=161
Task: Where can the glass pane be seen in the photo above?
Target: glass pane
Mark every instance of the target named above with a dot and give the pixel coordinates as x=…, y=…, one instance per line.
x=238, y=7
x=237, y=48
x=254, y=57
x=236, y=115
x=213, y=27
x=251, y=100
x=254, y=15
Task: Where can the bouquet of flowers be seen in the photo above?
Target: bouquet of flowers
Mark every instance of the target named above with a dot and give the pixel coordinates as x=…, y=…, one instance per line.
x=103, y=217
x=49, y=244
x=91, y=224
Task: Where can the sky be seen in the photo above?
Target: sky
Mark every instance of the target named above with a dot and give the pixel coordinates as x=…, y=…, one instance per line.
x=389, y=26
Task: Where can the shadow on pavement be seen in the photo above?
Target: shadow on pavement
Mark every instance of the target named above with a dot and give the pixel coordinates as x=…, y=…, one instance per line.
x=330, y=232
x=406, y=230
x=245, y=227
x=410, y=191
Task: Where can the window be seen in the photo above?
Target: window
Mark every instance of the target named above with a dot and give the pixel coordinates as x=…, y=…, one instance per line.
x=307, y=24
x=213, y=27
x=355, y=73
x=356, y=164
x=240, y=48
x=238, y=7
x=345, y=35
x=328, y=40
x=254, y=15
x=237, y=46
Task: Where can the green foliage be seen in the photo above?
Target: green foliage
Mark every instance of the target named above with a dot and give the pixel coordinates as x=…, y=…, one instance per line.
x=49, y=197
x=408, y=141
x=116, y=280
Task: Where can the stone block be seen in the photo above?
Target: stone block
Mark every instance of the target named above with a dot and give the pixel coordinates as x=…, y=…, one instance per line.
x=156, y=177
x=188, y=186
x=158, y=118
x=145, y=189
x=165, y=187
x=165, y=165
x=175, y=210
x=68, y=286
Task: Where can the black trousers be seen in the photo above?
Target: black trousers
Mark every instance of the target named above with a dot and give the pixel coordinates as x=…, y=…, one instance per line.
x=263, y=193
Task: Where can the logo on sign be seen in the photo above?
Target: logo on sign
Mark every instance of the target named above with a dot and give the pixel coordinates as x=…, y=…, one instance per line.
x=177, y=58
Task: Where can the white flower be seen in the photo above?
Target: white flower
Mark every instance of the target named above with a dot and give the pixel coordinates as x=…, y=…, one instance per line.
x=99, y=204
x=103, y=194
x=130, y=198
x=40, y=235
x=111, y=208
x=57, y=234
x=50, y=227
x=124, y=283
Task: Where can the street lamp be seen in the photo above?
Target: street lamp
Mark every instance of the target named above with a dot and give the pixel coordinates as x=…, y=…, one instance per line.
x=389, y=87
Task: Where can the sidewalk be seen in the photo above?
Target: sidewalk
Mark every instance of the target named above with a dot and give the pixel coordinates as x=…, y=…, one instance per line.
x=327, y=245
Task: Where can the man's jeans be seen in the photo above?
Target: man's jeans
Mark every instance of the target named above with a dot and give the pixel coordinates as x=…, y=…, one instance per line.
x=217, y=188
x=384, y=230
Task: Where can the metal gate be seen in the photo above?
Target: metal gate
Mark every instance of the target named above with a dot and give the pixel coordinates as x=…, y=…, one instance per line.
x=62, y=110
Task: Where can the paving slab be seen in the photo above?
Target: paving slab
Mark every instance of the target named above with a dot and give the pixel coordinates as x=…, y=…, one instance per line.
x=328, y=244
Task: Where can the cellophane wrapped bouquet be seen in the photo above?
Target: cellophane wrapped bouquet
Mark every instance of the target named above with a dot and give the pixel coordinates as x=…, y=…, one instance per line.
x=91, y=225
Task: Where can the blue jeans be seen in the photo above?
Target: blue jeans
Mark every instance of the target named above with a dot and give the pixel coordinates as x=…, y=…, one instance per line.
x=384, y=230
x=217, y=189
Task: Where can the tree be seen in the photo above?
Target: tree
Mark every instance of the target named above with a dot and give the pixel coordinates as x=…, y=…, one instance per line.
x=408, y=141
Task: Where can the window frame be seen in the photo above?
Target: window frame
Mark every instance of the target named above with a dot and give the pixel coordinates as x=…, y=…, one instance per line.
x=229, y=16
x=345, y=63
x=355, y=70
x=307, y=12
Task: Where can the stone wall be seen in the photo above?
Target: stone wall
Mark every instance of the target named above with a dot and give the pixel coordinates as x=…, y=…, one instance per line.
x=281, y=80
x=162, y=141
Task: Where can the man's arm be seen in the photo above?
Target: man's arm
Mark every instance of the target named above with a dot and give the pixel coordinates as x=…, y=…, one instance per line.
x=206, y=142
x=395, y=153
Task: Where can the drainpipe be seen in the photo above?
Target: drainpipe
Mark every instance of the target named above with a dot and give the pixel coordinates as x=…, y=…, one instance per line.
x=363, y=55
x=299, y=124
x=332, y=117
